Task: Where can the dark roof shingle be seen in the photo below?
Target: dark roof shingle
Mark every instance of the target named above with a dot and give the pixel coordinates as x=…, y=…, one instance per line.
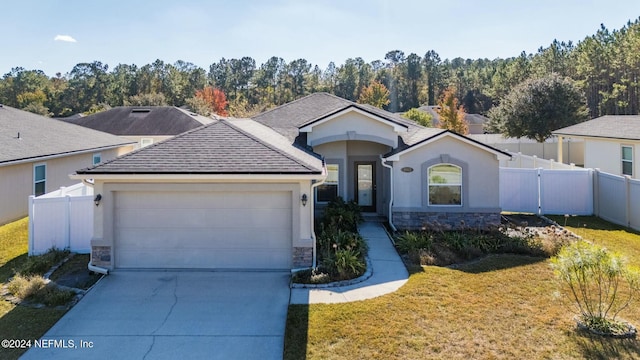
x=222, y=147
x=142, y=121
x=40, y=136
x=608, y=126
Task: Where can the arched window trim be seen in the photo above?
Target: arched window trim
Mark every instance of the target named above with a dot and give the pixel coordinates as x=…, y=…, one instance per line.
x=460, y=185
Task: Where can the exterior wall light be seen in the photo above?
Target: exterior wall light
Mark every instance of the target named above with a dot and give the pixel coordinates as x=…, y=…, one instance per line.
x=97, y=199
x=304, y=199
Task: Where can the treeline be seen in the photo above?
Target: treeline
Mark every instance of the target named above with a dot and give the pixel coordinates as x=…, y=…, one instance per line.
x=606, y=66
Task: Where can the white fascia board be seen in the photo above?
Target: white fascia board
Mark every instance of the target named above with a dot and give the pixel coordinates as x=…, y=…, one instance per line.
x=396, y=127
x=499, y=155
x=199, y=177
x=61, y=155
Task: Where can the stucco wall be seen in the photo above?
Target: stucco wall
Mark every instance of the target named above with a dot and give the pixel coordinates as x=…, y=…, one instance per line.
x=346, y=154
x=480, y=187
x=16, y=181
x=352, y=126
x=480, y=192
x=606, y=155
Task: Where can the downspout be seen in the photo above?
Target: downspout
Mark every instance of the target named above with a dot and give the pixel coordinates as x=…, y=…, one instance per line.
x=390, y=214
x=313, y=212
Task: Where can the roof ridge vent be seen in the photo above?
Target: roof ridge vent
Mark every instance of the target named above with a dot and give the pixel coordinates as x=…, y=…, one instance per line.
x=140, y=110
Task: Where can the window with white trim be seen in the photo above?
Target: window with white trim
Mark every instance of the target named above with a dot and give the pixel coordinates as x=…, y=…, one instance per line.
x=627, y=160
x=97, y=158
x=445, y=185
x=329, y=190
x=39, y=179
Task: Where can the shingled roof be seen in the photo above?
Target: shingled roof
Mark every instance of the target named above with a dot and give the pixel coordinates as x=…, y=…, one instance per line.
x=226, y=146
x=25, y=136
x=142, y=121
x=608, y=126
x=288, y=118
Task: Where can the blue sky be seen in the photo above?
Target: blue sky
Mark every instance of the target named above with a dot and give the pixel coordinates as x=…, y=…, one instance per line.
x=54, y=35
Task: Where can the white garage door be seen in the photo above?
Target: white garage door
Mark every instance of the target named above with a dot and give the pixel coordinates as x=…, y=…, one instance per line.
x=196, y=230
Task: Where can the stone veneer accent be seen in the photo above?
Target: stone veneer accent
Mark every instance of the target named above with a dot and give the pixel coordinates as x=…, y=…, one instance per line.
x=302, y=257
x=410, y=220
x=101, y=256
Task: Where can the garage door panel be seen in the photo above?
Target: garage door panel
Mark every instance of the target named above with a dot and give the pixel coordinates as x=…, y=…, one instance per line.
x=203, y=230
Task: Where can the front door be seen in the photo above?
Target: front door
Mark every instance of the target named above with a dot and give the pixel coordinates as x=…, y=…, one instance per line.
x=366, y=185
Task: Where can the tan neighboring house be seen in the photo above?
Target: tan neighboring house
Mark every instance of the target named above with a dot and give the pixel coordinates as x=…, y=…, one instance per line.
x=144, y=125
x=243, y=193
x=611, y=143
x=37, y=154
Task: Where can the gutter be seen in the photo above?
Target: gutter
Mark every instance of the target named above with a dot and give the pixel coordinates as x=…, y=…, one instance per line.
x=390, y=215
x=312, y=225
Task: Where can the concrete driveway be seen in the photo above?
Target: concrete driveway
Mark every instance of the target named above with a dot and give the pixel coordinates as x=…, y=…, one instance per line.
x=174, y=315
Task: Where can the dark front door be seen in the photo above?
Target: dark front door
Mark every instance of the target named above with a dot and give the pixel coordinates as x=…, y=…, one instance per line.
x=366, y=185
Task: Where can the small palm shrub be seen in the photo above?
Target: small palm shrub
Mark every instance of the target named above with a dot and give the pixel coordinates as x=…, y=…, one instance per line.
x=342, y=215
x=598, y=283
x=345, y=264
x=411, y=241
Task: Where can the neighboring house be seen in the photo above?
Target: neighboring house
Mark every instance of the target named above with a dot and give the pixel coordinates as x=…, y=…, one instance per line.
x=143, y=124
x=611, y=143
x=242, y=193
x=37, y=154
x=475, y=122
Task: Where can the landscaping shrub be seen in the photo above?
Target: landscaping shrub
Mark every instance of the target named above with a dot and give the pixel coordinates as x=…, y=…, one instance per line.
x=340, y=249
x=342, y=215
x=598, y=282
x=411, y=241
x=38, y=265
x=23, y=287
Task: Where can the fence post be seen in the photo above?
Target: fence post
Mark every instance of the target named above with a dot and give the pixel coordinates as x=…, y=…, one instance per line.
x=31, y=228
x=519, y=160
x=535, y=161
x=551, y=161
x=627, y=193
x=596, y=192
x=539, y=175
x=67, y=220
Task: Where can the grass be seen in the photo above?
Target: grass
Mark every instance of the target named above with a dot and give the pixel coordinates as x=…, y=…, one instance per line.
x=19, y=322
x=501, y=307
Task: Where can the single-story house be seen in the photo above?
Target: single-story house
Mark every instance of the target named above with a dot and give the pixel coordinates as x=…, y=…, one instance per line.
x=242, y=193
x=144, y=125
x=611, y=143
x=475, y=122
x=37, y=154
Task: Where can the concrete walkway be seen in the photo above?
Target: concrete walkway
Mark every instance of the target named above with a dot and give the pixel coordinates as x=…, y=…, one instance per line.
x=388, y=273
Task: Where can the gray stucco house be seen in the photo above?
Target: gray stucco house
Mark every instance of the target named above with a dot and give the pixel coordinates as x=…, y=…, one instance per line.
x=242, y=193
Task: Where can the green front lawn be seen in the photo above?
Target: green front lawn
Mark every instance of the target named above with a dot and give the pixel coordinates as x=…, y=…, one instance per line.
x=500, y=307
x=19, y=322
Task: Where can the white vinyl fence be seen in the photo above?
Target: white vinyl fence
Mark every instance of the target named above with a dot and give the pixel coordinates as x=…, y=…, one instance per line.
x=617, y=199
x=62, y=219
x=521, y=161
x=545, y=191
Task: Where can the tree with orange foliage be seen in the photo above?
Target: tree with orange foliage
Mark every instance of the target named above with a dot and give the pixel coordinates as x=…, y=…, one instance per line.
x=209, y=100
x=375, y=94
x=451, y=113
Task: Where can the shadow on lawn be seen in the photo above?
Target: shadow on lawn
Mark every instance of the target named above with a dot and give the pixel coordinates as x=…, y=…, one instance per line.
x=296, y=333
x=598, y=347
x=589, y=222
x=496, y=262
x=8, y=269
x=26, y=323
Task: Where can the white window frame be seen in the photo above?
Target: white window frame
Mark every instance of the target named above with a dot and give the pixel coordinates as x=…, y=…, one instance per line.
x=429, y=185
x=98, y=156
x=337, y=183
x=146, y=142
x=623, y=160
x=36, y=181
